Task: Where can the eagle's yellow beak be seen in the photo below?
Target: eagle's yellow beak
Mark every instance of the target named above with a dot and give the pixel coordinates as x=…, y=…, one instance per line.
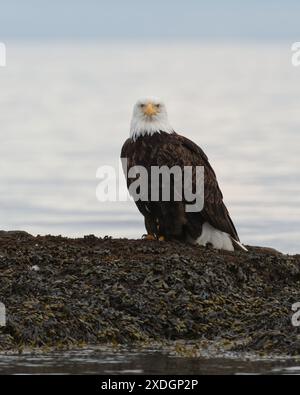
x=150, y=110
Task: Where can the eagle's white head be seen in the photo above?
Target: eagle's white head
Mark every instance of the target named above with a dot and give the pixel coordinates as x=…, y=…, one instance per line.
x=149, y=117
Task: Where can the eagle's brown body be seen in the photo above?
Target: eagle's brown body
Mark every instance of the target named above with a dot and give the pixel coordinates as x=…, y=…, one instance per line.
x=170, y=219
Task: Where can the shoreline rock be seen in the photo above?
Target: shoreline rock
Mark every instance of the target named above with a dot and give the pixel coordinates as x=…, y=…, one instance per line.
x=63, y=293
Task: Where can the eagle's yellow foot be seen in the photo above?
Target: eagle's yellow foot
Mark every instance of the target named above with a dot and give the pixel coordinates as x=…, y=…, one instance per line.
x=149, y=237
x=161, y=238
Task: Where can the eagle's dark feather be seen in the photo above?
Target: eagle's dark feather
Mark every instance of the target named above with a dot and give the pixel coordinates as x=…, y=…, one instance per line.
x=170, y=219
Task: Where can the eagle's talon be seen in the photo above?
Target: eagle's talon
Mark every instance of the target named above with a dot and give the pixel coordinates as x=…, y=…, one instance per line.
x=148, y=237
x=161, y=238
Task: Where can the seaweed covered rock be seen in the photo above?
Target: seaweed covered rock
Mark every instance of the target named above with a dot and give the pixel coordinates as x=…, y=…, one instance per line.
x=62, y=292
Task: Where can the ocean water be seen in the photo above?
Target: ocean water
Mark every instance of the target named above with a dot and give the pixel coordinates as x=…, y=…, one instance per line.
x=107, y=361
x=65, y=110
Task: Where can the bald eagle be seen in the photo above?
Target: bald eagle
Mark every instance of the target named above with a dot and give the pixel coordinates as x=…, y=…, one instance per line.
x=153, y=142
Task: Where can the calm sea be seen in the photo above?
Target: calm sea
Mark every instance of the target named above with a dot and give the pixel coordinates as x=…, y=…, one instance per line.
x=65, y=110
x=106, y=361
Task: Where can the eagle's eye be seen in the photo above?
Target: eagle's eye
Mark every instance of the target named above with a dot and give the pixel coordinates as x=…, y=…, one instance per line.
x=142, y=105
x=157, y=105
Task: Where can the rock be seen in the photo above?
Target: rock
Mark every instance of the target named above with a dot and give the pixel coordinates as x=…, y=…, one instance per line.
x=99, y=290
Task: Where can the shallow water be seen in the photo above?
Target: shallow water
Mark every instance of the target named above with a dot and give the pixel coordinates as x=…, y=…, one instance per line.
x=136, y=362
x=66, y=108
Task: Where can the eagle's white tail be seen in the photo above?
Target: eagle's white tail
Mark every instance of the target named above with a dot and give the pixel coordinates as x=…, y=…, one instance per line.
x=218, y=239
x=238, y=246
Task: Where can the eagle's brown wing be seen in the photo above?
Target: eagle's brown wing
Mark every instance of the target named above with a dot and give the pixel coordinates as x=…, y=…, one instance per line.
x=181, y=151
x=128, y=152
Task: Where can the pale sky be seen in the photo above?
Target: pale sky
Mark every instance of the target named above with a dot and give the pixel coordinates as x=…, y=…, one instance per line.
x=154, y=19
